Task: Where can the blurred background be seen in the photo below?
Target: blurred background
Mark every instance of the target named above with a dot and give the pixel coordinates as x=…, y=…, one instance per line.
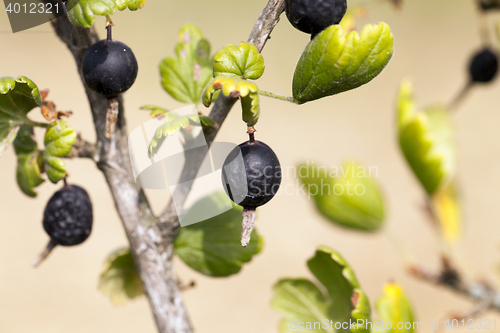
x=433, y=42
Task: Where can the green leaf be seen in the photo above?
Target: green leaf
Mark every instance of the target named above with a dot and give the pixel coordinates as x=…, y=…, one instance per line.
x=246, y=90
x=59, y=139
x=17, y=98
x=300, y=300
x=157, y=111
x=333, y=63
x=243, y=61
x=338, y=278
x=119, y=279
x=348, y=301
x=172, y=126
x=344, y=301
x=83, y=12
x=29, y=162
x=348, y=197
x=427, y=141
x=28, y=172
x=207, y=96
x=185, y=76
x=251, y=108
x=131, y=4
x=24, y=143
x=394, y=307
x=213, y=247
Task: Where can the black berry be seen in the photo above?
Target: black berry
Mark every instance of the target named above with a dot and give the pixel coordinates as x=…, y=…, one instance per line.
x=67, y=218
x=109, y=68
x=483, y=66
x=251, y=174
x=314, y=16
x=486, y=5
x=251, y=177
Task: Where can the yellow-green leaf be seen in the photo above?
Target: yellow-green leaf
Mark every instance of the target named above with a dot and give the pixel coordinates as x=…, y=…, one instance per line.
x=333, y=63
x=246, y=90
x=17, y=98
x=82, y=12
x=119, y=279
x=243, y=61
x=346, y=196
x=394, y=307
x=185, y=76
x=251, y=108
x=301, y=301
x=157, y=111
x=447, y=207
x=29, y=162
x=427, y=141
x=131, y=4
x=59, y=139
x=174, y=125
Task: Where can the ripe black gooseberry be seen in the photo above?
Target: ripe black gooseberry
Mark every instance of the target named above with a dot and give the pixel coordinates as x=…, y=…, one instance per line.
x=109, y=68
x=251, y=177
x=483, y=66
x=67, y=218
x=314, y=16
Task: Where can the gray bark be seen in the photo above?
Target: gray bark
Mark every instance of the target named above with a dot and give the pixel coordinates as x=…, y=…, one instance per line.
x=151, y=238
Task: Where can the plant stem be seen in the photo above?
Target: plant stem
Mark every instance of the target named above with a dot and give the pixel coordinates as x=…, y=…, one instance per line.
x=476, y=291
x=460, y=97
x=151, y=238
x=278, y=96
x=109, y=27
x=36, y=124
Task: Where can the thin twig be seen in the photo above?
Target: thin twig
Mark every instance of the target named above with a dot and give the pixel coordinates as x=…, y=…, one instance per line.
x=478, y=292
x=84, y=149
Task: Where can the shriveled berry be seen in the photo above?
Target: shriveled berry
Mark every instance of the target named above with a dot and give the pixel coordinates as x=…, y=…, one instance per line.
x=109, y=67
x=68, y=216
x=314, y=16
x=251, y=177
x=484, y=66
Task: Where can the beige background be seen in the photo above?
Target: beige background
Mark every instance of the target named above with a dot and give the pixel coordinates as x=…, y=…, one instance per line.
x=434, y=39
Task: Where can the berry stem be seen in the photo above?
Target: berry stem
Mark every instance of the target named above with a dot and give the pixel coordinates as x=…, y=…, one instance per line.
x=109, y=25
x=251, y=130
x=45, y=253
x=278, y=96
x=459, y=98
x=247, y=226
x=111, y=116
